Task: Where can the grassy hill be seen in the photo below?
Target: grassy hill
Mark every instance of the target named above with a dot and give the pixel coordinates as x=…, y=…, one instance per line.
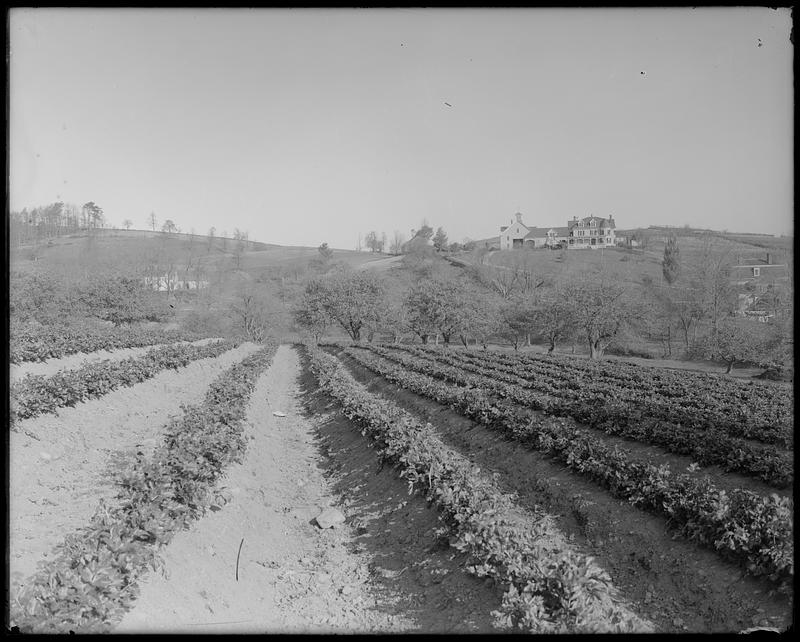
x=129, y=251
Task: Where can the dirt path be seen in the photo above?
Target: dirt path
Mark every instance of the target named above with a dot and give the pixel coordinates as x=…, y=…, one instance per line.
x=292, y=576
x=57, y=480
x=51, y=366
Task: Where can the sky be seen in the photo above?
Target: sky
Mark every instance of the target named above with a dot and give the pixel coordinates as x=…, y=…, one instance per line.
x=304, y=126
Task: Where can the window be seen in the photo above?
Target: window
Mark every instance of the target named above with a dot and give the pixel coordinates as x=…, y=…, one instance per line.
x=756, y=271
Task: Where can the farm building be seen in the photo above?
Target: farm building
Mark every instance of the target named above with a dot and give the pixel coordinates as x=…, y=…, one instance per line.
x=172, y=282
x=589, y=232
x=758, y=270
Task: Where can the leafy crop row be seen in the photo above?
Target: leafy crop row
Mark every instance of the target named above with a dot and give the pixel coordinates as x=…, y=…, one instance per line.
x=551, y=588
x=614, y=416
x=92, y=578
x=53, y=342
x=752, y=410
x=37, y=394
x=744, y=411
x=743, y=526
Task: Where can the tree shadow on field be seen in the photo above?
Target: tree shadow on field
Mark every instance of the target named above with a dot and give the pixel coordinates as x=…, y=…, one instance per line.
x=412, y=570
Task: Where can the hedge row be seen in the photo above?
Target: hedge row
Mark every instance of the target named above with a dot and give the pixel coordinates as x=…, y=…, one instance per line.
x=742, y=526
x=551, y=588
x=54, y=342
x=38, y=394
x=92, y=579
x=614, y=416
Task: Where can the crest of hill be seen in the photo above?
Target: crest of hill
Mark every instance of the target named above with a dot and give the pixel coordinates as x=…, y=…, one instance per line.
x=131, y=251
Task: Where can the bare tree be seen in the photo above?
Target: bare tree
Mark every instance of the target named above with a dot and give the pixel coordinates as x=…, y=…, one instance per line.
x=601, y=308
x=396, y=246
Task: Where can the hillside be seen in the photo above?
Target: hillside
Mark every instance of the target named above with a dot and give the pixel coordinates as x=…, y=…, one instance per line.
x=129, y=251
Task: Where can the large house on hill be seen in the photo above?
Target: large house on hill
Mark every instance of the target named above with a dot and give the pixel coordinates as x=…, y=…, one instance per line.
x=590, y=232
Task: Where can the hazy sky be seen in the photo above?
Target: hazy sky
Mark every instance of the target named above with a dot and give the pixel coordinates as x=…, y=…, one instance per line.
x=303, y=126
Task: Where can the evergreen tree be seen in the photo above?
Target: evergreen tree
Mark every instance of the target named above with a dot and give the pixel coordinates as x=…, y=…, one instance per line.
x=671, y=264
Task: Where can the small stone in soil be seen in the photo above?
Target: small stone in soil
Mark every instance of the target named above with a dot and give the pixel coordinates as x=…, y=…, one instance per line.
x=329, y=517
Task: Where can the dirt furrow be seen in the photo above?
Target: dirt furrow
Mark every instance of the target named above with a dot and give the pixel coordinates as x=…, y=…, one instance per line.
x=59, y=465
x=294, y=577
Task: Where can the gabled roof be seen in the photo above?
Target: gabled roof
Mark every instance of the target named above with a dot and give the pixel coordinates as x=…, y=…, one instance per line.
x=503, y=228
x=602, y=222
x=536, y=233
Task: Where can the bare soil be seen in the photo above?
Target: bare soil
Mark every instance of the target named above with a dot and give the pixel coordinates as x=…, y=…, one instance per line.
x=678, y=585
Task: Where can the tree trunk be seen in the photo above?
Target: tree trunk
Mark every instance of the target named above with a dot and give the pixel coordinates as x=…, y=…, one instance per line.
x=669, y=341
x=685, y=328
x=424, y=338
x=552, y=345
x=730, y=367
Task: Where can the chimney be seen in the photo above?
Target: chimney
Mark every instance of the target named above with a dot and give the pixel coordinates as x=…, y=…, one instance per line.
x=519, y=217
x=768, y=258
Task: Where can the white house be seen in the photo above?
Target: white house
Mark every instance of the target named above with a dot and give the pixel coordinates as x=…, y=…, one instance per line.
x=590, y=232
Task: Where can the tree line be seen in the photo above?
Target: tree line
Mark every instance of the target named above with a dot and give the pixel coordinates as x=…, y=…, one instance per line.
x=691, y=313
x=378, y=242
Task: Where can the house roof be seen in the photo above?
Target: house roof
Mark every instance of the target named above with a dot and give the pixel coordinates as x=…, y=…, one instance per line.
x=536, y=233
x=503, y=228
x=604, y=222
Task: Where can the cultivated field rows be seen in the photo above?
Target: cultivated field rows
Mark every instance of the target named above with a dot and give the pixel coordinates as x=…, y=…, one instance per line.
x=678, y=585
x=557, y=529
x=51, y=366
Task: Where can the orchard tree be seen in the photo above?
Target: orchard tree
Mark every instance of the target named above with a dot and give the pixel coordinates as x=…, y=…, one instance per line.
x=601, y=308
x=553, y=318
x=352, y=299
x=438, y=306
x=152, y=220
x=517, y=315
x=481, y=319
x=127, y=223
x=310, y=313
x=737, y=340
x=168, y=226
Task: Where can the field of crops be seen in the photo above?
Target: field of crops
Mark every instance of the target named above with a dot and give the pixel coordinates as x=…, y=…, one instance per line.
x=709, y=457
x=573, y=496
